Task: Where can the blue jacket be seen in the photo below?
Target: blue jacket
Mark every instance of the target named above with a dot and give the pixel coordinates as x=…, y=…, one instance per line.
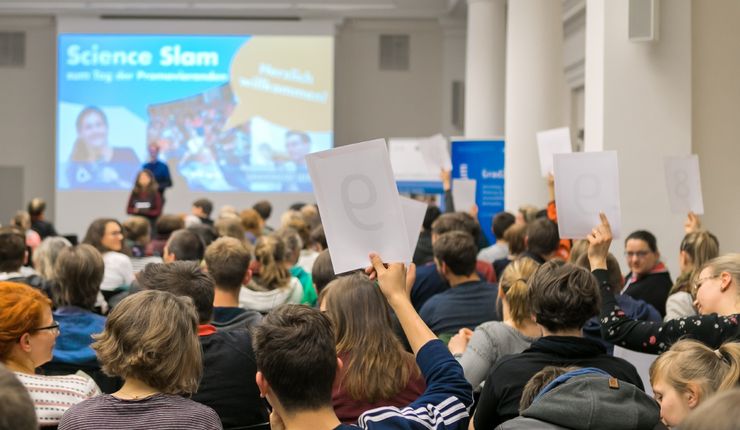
x=76, y=327
x=443, y=406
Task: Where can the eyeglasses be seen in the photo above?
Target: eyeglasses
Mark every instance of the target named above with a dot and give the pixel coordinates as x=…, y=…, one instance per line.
x=54, y=328
x=638, y=254
x=700, y=282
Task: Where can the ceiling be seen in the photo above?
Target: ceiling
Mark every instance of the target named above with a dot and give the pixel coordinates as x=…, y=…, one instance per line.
x=246, y=9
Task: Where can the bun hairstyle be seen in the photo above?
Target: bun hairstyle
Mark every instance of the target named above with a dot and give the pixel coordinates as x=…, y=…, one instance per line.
x=270, y=253
x=692, y=362
x=514, y=288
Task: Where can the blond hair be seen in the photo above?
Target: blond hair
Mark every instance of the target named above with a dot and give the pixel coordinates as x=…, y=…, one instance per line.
x=514, y=288
x=269, y=252
x=729, y=263
x=152, y=336
x=692, y=362
x=700, y=246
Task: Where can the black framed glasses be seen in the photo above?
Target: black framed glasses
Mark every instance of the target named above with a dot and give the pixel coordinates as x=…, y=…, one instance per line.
x=54, y=328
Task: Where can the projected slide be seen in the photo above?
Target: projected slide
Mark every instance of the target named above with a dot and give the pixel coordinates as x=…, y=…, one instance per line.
x=229, y=113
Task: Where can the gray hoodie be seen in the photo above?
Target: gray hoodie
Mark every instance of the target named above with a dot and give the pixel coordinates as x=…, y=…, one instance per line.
x=589, y=402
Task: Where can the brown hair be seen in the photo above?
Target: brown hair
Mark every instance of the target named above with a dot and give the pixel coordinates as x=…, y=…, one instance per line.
x=153, y=186
x=269, y=252
x=251, y=221
x=293, y=243
x=692, y=362
x=456, y=221
x=514, y=236
x=542, y=237
x=21, y=310
x=612, y=267
x=294, y=219
x=700, y=246
x=514, y=287
x=12, y=249
x=378, y=367
x=96, y=231
x=295, y=351
x=167, y=224
x=230, y=227
x=458, y=251
x=152, y=336
x=79, y=272
x=227, y=260
x=136, y=229
x=563, y=296
x=181, y=278
x=322, y=272
x=718, y=413
x=538, y=381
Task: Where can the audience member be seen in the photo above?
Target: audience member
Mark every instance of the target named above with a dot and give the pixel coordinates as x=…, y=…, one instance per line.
x=145, y=199
x=165, y=226
x=537, y=382
x=202, y=209
x=479, y=351
x=376, y=370
x=526, y=214
x=158, y=361
x=322, y=272
x=252, y=223
x=207, y=233
x=36, y=209
x=183, y=245
x=136, y=233
x=689, y=374
x=106, y=235
x=297, y=364
x=22, y=221
x=46, y=254
x=230, y=227
x=718, y=413
x=227, y=261
x=13, y=255
x=515, y=239
x=27, y=336
x=423, y=254
x=316, y=244
x=563, y=297
x=293, y=247
x=264, y=210
x=542, y=240
x=696, y=249
x=16, y=407
x=648, y=278
x=587, y=398
x=271, y=284
x=227, y=384
x=469, y=301
x=499, y=224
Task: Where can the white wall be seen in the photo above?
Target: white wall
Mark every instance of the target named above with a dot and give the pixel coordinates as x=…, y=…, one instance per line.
x=716, y=105
x=27, y=111
x=638, y=102
x=369, y=103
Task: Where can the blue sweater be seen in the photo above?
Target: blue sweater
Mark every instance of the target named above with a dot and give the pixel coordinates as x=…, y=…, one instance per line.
x=466, y=305
x=76, y=327
x=443, y=406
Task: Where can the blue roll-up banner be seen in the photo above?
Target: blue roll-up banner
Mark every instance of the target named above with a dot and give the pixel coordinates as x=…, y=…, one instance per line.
x=482, y=160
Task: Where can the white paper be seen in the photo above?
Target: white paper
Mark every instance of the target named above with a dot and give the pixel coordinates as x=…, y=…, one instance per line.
x=463, y=194
x=413, y=215
x=408, y=161
x=642, y=363
x=551, y=142
x=359, y=203
x=435, y=150
x=586, y=183
x=683, y=184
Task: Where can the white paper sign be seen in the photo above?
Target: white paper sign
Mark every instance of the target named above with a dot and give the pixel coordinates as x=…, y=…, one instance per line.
x=463, y=194
x=683, y=183
x=586, y=183
x=435, y=150
x=551, y=142
x=408, y=161
x=359, y=203
x=413, y=214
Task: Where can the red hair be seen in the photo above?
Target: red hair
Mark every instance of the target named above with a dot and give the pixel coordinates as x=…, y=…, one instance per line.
x=21, y=310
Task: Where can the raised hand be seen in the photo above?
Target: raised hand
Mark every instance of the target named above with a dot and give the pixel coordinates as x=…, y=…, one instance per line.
x=599, y=241
x=692, y=223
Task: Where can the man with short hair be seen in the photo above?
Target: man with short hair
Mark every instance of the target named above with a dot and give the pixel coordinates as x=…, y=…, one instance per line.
x=39, y=224
x=500, y=223
x=264, y=209
x=227, y=384
x=469, y=301
x=227, y=260
x=542, y=240
x=183, y=245
x=159, y=169
x=297, y=365
x=563, y=297
x=202, y=209
x=13, y=255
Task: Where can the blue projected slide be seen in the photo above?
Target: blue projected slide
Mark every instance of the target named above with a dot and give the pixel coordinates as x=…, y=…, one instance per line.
x=228, y=113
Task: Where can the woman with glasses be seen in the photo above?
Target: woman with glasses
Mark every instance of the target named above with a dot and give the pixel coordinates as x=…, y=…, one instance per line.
x=106, y=235
x=28, y=333
x=717, y=299
x=648, y=278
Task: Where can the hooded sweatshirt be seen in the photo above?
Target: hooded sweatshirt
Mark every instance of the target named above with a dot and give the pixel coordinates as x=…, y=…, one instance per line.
x=589, y=399
x=261, y=300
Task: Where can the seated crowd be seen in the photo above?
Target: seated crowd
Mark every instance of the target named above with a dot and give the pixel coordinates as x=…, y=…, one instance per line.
x=184, y=321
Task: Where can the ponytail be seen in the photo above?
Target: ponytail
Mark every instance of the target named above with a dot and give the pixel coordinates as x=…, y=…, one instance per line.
x=269, y=251
x=514, y=287
x=730, y=354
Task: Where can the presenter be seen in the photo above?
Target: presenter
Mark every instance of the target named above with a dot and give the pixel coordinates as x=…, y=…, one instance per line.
x=94, y=164
x=145, y=199
x=159, y=169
